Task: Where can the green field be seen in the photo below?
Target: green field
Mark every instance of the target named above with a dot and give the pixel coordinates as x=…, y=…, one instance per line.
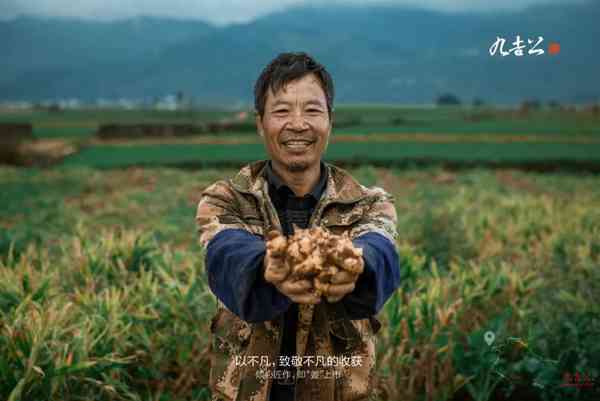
x=103, y=293
x=352, y=119
x=542, y=138
x=357, y=153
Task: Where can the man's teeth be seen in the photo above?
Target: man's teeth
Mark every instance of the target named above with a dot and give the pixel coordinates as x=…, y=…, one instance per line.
x=297, y=143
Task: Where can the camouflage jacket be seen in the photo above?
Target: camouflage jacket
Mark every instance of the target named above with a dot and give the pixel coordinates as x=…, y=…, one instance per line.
x=243, y=203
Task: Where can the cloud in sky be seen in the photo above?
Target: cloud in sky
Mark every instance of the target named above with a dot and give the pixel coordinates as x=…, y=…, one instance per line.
x=224, y=11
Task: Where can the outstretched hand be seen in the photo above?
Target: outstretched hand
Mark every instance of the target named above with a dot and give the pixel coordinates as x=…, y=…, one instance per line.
x=299, y=290
x=341, y=283
x=312, y=263
x=277, y=272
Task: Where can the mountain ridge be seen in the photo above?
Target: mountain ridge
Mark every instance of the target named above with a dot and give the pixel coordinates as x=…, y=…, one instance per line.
x=378, y=54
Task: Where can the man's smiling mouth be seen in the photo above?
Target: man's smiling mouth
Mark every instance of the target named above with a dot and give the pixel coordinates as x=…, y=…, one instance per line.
x=297, y=144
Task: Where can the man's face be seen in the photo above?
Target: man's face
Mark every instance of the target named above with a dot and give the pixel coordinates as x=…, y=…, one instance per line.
x=296, y=125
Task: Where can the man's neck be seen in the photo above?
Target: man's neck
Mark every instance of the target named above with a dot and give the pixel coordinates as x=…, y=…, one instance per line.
x=301, y=182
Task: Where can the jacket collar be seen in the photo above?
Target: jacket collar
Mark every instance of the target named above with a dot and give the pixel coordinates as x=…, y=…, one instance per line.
x=280, y=186
x=341, y=186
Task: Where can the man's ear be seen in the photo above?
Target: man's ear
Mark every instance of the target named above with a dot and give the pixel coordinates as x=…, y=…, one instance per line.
x=259, y=126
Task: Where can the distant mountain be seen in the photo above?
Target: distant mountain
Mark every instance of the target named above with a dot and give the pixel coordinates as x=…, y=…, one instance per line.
x=375, y=54
x=64, y=57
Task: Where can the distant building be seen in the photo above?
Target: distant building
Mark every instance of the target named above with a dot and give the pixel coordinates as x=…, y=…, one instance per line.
x=15, y=106
x=168, y=102
x=72, y=103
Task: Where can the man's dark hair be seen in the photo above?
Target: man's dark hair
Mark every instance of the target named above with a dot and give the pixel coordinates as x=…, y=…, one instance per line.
x=288, y=67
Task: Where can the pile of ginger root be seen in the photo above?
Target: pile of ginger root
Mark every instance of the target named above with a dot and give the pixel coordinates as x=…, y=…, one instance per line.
x=314, y=254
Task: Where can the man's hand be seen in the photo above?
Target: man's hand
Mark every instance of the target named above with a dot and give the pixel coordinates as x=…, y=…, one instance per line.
x=297, y=289
x=342, y=283
x=312, y=263
x=276, y=270
x=349, y=264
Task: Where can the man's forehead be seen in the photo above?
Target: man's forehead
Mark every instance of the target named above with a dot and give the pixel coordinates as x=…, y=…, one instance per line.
x=308, y=87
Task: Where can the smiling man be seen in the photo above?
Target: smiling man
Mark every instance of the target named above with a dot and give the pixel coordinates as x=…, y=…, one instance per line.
x=280, y=340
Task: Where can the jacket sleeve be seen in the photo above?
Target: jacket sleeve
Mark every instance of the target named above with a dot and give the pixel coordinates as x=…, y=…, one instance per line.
x=376, y=234
x=379, y=280
x=234, y=258
x=218, y=210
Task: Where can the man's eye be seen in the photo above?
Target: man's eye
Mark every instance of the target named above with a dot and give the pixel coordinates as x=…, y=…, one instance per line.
x=280, y=111
x=314, y=111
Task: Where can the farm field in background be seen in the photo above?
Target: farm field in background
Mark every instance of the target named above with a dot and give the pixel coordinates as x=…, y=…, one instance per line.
x=371, y=134
x=103, y=292
x=381, y=153
x=352, y=119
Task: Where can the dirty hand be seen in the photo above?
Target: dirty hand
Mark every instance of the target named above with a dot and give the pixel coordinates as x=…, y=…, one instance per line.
x=277, y=272
x=299, y=290
x=276, y=269
x=341, y=283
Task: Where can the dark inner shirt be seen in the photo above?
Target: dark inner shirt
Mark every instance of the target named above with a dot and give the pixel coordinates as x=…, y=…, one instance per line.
x=292, y=210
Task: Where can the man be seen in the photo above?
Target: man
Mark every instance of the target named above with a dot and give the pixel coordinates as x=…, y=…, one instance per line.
x=281, y=341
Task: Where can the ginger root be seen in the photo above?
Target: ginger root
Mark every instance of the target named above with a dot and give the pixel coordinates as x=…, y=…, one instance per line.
x=276, y=248
x=313, y=254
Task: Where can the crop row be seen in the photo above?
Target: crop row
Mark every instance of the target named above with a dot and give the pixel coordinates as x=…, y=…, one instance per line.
x=104, y=156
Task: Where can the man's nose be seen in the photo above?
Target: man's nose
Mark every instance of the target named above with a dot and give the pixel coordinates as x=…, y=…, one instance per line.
x=297, y=122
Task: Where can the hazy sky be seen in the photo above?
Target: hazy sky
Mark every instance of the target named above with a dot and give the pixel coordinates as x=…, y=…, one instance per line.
x=224, y=11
